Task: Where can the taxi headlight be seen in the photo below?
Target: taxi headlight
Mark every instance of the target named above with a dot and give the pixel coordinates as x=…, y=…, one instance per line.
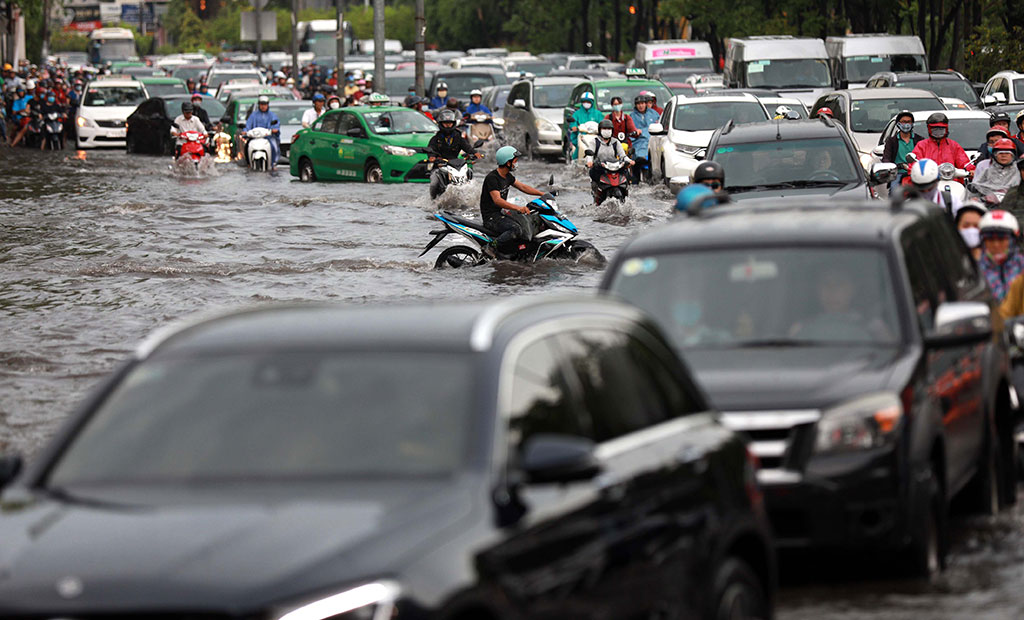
x=366, y=602
x=398, y=150
x=860, y=424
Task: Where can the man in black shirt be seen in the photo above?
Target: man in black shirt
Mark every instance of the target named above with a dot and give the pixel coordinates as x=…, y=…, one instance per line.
x=511, y=221
x=447, y=144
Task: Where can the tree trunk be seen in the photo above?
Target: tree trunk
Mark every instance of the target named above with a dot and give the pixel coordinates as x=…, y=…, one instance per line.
x=922, y=10
x=618, y=30
x=652, y=33
x=585, y=23
x=602, y=32
x=956, y=48
x=638, y=22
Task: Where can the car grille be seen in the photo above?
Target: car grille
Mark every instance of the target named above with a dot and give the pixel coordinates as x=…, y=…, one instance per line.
x=781, y=440
x=114, y=124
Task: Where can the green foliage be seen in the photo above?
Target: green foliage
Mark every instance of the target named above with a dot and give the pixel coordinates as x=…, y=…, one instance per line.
x=399, y=23
x=68, y=42
x=993, y=49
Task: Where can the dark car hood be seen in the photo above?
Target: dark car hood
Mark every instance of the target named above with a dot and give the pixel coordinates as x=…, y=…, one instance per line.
x=790, y=377
x=214, y=554
x=852, y=190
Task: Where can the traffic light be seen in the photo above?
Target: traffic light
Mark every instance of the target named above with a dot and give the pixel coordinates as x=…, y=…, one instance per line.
x=202, y=6
x=632, y=9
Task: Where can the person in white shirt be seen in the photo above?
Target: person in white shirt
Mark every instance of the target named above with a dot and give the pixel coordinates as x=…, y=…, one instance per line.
x=187, y=121
x=310, y=115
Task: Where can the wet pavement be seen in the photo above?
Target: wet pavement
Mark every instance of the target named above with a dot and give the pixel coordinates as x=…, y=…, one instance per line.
x=98, y=250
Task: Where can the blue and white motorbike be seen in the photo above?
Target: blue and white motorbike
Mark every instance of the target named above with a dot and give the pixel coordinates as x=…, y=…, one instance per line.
x=555, y=238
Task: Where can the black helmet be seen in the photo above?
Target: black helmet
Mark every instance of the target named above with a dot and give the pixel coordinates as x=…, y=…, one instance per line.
x=708, y=170
x=186, y=106
x=905, y=113
x=605, y=124
x=938, y=119
x=446, y=115
x=999, y=117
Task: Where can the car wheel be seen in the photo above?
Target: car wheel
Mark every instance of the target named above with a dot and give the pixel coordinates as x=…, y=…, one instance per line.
x=926, y=556
x=739, y=594
x=458, y=256
x=373, y=173
x=306, y=172
x=984, y=493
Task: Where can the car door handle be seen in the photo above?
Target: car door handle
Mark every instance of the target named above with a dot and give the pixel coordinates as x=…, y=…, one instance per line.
x=334, y=144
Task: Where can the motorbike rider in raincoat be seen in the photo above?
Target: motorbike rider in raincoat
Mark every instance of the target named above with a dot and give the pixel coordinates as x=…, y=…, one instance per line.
x=939, y=147
x=643, y=117
x=1001, y=262
x=1000, y=175
x=263, y=117
x=586, y=113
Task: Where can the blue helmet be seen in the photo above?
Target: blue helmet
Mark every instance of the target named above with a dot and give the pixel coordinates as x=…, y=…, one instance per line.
x=506, y=154
x=318, y=97
x=693, y=194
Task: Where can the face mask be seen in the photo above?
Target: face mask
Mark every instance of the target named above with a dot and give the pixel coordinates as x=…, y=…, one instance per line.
x=586, y=105
x=617, y=107
x=938, y=133
x=606, y=133
x=335, y=105
x=50, y=100
x=906, y=127
x=972, y=237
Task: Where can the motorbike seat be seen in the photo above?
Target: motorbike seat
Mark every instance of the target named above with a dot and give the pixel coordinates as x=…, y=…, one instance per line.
x=475, y=225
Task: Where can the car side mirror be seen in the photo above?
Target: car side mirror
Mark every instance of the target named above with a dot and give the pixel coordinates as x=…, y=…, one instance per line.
x=1000, y=98
x=878, y=150
x=10, y=467
x=354, y=132
x=988, y=100
x=882, y=173
x=551, y=458
x=519, y=103
x=656, y=129
x=960, y=323
x=701, y=154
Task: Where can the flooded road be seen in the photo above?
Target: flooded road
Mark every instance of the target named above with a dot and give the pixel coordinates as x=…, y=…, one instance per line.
x=98, y=252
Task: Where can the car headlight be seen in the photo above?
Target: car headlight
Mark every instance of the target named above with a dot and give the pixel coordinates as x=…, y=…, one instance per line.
x=367, y=602
x=860, y=424
x=865, y=161
x=398, y=150
x=543, y=124
x=85, y=122
x=687, y=149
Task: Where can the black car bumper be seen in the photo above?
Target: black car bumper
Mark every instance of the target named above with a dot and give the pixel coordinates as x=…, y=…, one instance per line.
x=849, y=500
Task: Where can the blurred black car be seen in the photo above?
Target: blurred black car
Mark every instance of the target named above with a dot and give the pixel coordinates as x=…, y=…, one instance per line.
x=149, y=126
x=537, y=459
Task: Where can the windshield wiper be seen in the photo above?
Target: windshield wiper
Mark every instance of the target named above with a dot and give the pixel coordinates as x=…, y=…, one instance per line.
x=756, y=343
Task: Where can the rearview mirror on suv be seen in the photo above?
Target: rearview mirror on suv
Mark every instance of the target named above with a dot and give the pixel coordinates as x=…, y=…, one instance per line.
x=882, y=173
x=656, y=129
x=960, y=323
x=519, y=103
x=550, y=458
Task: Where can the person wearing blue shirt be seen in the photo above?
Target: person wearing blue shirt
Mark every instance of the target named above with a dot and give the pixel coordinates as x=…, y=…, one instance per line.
x=475, y=105
x=643, y=117
x=20, y=114
x=439, y=100
x=263, y=117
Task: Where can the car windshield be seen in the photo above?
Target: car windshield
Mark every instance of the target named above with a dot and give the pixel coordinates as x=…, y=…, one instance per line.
x=691, y=64
x=946, y=88
x=584, y=63
x=789, y=73
x=708, y=116
x=552, y=95
x=110, y=96
x=290, y=115
x=783, y=163
x=159, y=90
x=219, y=78
x=871, y=115
x=628, y=93
x=460, y=85
x=794, y=296
x=277, y=415
x=399, y=121
x=213, y=108
x=399, y=85
x=861, y=68
x=536, y=68
x=967, y=132
x=189, y=73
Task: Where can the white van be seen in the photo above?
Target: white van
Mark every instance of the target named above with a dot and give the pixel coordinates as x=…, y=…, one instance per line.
x=792, y=66
x=856, y=57
x=674, y=54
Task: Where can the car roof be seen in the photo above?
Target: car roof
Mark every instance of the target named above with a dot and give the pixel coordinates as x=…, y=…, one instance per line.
x=952, y=114
x=716, y=98
x=887, y=93
x=622, y=81
x=115, y=82
x=552, y=80
x=468, y=71
x=458, y=327
x=927, y=76
x=788, y=221
x=149, y=79
x=789, y=130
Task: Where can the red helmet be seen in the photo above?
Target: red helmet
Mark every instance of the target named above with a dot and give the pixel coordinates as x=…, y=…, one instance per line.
x=1004, y=144
x=825, y=111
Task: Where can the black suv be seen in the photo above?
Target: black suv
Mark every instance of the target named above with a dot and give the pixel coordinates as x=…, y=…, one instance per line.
x=942, y=83
x=537, y=459
x=853, y=342
x=788, y=158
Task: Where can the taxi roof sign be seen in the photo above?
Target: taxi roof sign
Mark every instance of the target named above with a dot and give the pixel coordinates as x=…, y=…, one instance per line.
x=636, y=72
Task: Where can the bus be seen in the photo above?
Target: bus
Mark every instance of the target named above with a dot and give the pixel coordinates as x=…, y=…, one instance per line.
x=108, y=44
x=320, y=37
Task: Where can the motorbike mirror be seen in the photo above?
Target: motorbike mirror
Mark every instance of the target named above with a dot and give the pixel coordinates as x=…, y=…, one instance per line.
x=478, y=143
x=882, y=173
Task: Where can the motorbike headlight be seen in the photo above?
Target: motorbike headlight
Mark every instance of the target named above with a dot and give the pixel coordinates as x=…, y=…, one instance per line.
x=947, y=171
x=544, y=124
x=861, y=424
x=366, y=602
x=398, y=150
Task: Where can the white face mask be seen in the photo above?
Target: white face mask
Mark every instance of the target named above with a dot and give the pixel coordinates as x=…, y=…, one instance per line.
x=606, y=133
x=972, y=237
x=335, y=105
x=586, y=105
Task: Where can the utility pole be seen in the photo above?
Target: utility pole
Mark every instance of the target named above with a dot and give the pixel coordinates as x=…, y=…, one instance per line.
x=295, y=44
x=46, y=29
x=378, y=47
x=258, y=5
x=339, y=70
x=421, y=36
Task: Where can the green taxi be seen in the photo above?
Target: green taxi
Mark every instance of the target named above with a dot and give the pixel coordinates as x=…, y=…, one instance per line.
x=385, y=144
x=605, y=88
x=162, y=86
x=236, y=113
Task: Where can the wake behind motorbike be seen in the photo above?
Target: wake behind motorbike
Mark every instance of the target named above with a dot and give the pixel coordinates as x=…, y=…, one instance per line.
x=53, y=128
x=612, y=182
x=258, y=149
x=555, y=237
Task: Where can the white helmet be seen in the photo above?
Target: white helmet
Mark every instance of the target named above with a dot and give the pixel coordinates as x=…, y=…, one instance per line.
x=924, y=172
x=995, y=222
x=279, y=74
x=30, y=84
x=475, y=91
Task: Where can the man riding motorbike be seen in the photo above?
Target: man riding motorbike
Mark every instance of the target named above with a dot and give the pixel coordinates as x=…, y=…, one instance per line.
x=50, y=105
x=1001, y=262
x=440, y=99
x=186, y=121
x=333, y=102
x=476, y=105
x=899, y=145
x=939, y=147
x=263, y=117
x=711, y=174
x=1000, y=120
x=607, y=148
x=995, y=134
x=510, y=221
x=1000, y=175
x=447, y=144
x=924, y=175
x=643, y=117
x=622, y=124
x=587, y=112
x=309, y=116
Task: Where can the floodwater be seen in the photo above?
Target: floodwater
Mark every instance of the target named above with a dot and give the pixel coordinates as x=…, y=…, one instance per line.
x=98, y=249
